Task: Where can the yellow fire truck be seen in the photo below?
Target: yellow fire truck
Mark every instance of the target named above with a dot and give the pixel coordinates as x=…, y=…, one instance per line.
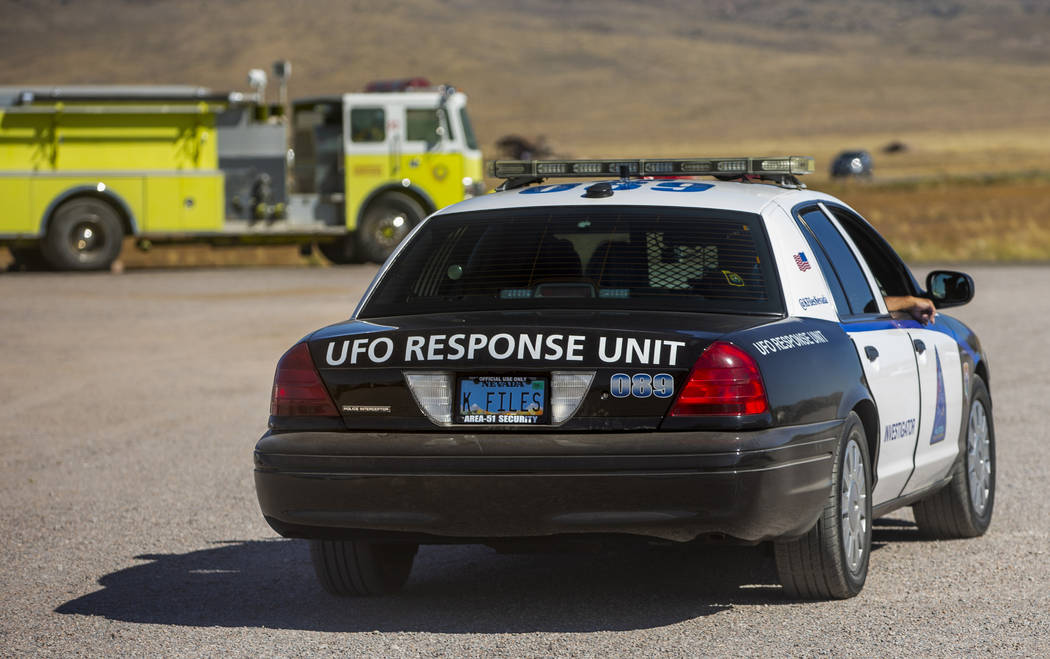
x=82, y=167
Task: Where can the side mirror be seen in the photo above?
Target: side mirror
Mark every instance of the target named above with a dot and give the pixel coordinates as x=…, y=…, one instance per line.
x=948, y=288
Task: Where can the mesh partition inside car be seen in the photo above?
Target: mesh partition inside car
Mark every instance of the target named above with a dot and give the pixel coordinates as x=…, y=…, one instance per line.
x=669, y=259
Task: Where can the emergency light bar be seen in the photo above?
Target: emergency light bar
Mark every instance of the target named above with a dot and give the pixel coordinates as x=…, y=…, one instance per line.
x=734, y=167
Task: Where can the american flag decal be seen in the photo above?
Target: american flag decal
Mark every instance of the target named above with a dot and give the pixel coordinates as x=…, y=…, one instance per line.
x=801, y=262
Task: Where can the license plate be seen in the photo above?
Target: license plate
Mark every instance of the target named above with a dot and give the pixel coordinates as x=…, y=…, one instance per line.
x=502, y=399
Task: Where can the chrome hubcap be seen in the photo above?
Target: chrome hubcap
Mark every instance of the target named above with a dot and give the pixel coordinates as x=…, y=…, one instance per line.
x=854, y=508
x=979, y=457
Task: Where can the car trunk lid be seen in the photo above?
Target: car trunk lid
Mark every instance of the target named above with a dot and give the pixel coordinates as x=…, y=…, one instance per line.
x=514, y=370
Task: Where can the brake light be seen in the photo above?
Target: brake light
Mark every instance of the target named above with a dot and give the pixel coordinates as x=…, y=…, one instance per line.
x=297, y=388
x=725, y=381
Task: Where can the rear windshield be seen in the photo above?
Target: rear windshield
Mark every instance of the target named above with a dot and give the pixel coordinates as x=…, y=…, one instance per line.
x=666, y=259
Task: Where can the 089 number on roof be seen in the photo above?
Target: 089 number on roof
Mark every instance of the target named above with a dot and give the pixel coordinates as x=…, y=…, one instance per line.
x=660, y=186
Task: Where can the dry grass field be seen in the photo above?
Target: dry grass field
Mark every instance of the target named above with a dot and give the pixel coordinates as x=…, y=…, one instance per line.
x=958, y=219
x=946, y=220
x=961, y=82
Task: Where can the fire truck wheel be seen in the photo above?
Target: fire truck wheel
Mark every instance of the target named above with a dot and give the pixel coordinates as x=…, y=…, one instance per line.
x=84, y=234
x=340, y=251
x=386, y=222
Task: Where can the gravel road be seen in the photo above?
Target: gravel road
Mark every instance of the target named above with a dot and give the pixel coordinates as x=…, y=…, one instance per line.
x=130, y=405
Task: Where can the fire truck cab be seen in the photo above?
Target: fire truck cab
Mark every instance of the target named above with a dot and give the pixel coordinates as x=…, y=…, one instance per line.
x=379, y=162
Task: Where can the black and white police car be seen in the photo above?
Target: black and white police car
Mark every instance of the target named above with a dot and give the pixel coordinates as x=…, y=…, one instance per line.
x=652, y=355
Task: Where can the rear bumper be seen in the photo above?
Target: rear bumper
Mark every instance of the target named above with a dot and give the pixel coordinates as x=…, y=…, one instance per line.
x=438, y=487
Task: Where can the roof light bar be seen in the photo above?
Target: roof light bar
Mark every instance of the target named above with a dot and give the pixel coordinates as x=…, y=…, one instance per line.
x=778, y=166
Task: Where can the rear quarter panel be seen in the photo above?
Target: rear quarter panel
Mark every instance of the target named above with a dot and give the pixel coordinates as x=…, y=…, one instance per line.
x=805, y=291
x=809, y=366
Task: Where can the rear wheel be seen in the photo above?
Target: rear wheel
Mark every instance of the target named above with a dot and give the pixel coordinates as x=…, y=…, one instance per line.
x=963, y=508
x=355, y=568
x=84, y=234
x=831, y=561
x=385, y=224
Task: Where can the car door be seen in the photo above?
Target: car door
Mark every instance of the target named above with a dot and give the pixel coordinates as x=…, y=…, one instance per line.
x=884, y=348
x=940, y=381
x=937, y=358
x=431, y=160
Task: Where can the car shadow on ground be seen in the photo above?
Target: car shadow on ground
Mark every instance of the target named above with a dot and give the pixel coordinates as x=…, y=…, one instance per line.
x=889, y=529
x=453, y=589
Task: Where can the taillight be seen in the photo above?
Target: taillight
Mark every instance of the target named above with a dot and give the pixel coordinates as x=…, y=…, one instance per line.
x=725, y=381
x=297, y=388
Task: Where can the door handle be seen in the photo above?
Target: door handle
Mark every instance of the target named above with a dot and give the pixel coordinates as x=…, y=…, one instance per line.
x=871, y=352
x=920, y=347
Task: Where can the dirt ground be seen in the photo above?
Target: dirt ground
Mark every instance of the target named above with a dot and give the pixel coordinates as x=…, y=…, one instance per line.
x=131, y=404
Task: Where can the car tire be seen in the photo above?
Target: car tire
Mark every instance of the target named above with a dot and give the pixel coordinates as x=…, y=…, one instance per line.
x=963, y=507
x=84, y=233
x=385, y=224
x=349, y=568
x=341, y=251
x=831, y=560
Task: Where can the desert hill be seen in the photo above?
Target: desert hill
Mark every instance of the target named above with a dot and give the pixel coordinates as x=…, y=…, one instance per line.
x=957, y=80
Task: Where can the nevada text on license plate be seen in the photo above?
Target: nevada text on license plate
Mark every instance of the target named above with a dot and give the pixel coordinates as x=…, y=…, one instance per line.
x=520, y=399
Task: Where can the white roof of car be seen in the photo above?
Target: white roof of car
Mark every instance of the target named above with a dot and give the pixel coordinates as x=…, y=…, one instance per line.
x=733, y=196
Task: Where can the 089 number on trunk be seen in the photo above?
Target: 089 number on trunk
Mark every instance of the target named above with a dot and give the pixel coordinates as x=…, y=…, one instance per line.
x=641, y=385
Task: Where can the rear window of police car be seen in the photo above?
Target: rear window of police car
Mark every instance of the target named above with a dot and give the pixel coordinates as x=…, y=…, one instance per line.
x=609, y=258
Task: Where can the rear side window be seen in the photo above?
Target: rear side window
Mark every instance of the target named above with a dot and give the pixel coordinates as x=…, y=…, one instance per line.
x=610, y=258
x=844, y=265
